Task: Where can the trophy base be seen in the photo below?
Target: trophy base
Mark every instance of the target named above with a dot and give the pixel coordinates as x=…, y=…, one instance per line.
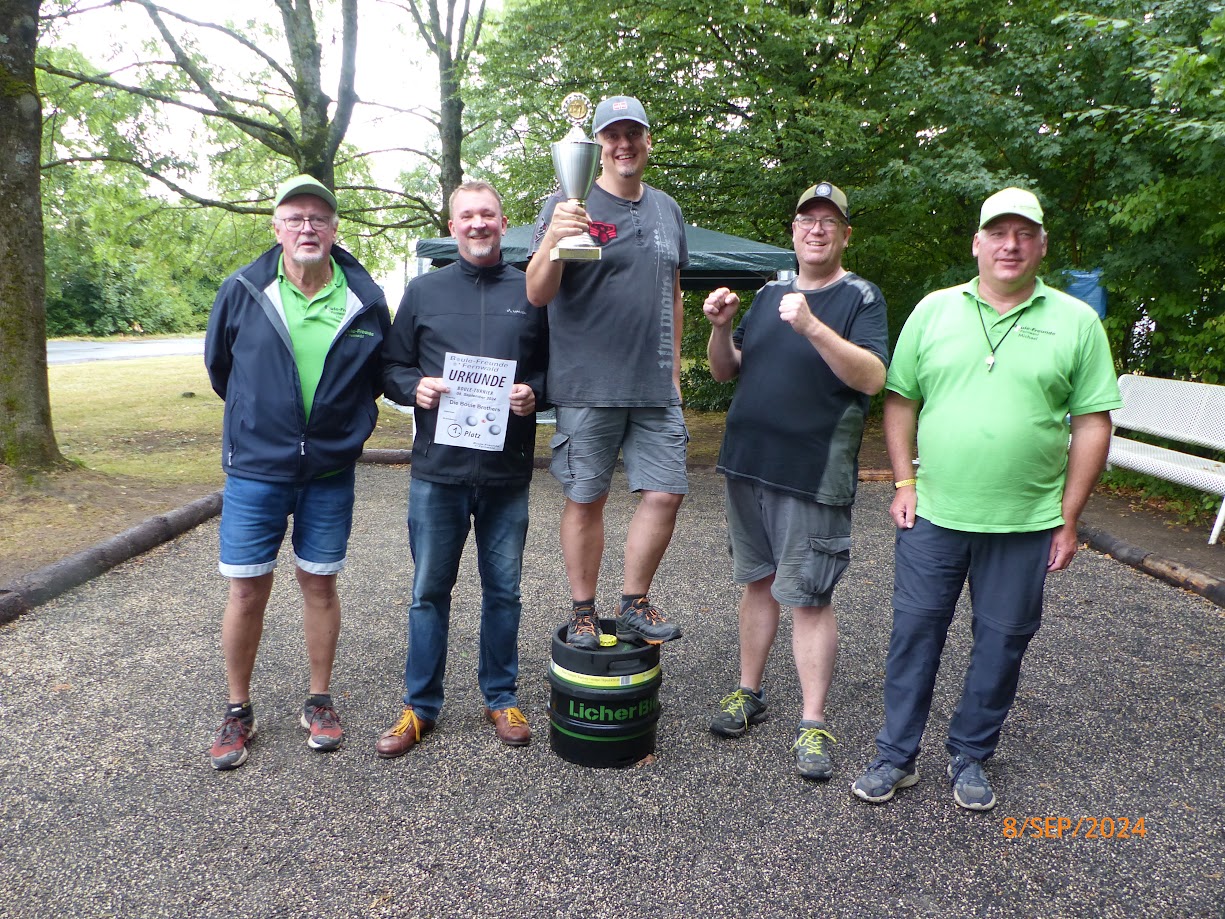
x=562, y=253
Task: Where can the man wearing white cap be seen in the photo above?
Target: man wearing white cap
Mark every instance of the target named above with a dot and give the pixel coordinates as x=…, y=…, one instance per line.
x=614, y=370
x=294, y=348
x=987, y=374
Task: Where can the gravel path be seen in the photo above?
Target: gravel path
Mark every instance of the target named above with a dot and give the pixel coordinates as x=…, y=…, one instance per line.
x=109, y=696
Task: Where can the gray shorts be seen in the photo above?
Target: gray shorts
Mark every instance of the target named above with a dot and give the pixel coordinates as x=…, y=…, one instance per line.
x=805, y=545
x=652, y=442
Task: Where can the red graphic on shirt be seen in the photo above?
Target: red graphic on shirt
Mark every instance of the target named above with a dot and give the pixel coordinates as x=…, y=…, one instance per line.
x=602, y=232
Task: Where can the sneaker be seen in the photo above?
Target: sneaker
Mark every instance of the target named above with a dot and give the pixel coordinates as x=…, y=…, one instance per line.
x=812, y=760
x=971, y=787
x=583, y=632
x=403, y=735
x=881, y=780
x=642, y=620
x=233, y=742
x=324, y=726
x=737, y=712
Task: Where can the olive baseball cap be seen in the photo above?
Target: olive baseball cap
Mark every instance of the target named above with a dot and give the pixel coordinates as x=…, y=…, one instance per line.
x=304, y=185
x=619, y=108
x=1016, y=201
x=831, y=193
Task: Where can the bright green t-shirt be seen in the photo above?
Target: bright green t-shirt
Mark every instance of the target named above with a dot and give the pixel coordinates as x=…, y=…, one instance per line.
x=993, y=439
x=312, y=325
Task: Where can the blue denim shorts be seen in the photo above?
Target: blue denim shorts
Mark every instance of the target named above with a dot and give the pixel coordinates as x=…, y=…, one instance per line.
x=255, y=516
x=652, y=441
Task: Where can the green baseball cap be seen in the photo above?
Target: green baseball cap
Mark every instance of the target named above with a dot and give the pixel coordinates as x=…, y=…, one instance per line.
x=831, y=193
x=304, y=185
x=1016, y=201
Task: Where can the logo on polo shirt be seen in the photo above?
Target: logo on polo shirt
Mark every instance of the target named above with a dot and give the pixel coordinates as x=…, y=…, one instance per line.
x=603, y=232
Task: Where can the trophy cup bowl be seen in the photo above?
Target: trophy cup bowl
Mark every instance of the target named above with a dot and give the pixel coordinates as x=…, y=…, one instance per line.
x=575, y=162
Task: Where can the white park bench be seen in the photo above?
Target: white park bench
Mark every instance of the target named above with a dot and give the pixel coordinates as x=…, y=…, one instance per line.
x=1192, y=413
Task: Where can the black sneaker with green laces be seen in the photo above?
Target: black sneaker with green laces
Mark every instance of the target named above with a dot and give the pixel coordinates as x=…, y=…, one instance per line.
x=737, y=712
x=812, y=759
x=583, y=631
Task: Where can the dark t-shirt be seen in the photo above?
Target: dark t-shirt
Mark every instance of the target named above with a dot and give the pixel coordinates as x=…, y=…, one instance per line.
x=793, y=425
x=611, y=335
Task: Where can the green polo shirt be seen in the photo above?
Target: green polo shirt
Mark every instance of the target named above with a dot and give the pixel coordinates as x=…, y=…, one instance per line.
x=312, y=325
x=993, y=441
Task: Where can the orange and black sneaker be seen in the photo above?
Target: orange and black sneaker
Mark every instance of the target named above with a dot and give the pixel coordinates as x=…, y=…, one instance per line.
x=639, y=619
x=232, y=744
x=583, y=632
x=320, y=718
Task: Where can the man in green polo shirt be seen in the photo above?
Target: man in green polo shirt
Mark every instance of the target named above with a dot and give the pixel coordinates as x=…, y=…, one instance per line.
x=294, y=347
x=988, y=374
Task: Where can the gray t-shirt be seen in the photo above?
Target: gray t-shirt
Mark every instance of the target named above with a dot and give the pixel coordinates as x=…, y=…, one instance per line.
x=611, y=335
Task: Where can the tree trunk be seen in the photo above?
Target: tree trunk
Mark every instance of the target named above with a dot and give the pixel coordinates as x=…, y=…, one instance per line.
x=451, y=136
x=26, y=438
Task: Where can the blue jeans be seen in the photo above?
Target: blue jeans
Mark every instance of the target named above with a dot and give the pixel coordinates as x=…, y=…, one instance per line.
x=439, y=517
x=1007, y=572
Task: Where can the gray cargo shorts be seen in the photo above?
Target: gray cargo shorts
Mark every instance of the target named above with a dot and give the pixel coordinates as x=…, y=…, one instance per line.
x=805, y=545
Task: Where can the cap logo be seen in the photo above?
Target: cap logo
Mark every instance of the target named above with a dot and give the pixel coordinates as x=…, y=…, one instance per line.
x=823, y=189
x=620, y=106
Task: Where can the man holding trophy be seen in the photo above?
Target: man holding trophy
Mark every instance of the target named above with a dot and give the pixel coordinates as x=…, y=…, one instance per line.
x=609, y=267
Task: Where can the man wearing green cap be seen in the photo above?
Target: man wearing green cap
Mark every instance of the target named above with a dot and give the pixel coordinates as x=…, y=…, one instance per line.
x=986, y=374
x=294, y=348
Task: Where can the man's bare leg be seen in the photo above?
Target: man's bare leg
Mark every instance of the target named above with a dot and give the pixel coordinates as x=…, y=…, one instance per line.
x=242, y=626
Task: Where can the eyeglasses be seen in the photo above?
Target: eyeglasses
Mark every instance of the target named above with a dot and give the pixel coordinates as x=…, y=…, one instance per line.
x=296, y=223
x=806, y=222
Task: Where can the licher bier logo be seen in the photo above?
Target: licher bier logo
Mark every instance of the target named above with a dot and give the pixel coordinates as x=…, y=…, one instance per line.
x=609, y=715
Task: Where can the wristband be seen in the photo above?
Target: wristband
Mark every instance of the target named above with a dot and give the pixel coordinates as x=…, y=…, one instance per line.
x=904, y=483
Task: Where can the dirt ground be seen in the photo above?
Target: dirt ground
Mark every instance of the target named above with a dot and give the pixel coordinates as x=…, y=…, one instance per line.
x=89, y=506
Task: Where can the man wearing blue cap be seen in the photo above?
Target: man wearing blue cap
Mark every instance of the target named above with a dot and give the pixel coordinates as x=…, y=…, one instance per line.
x=294, y=348
x=614, y=369
x=987, y=374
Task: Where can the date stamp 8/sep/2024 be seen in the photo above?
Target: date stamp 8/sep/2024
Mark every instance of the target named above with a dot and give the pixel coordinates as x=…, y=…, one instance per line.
x=1074, y=827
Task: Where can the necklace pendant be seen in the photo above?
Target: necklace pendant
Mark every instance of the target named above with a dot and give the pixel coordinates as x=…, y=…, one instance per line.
x=990, y=362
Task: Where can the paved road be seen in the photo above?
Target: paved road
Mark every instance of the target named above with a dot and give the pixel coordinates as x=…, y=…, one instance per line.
x=109, y=696
x=62, y=351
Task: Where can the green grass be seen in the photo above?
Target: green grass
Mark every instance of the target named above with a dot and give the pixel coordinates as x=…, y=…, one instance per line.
x=155, y=419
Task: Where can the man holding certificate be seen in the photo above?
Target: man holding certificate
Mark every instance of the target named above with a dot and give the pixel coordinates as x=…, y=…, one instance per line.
x=468, y=351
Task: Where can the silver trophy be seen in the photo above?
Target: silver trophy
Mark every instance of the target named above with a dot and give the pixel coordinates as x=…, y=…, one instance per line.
x=575, y=161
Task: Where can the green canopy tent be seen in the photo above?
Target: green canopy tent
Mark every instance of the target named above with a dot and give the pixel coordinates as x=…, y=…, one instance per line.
x=715, y=259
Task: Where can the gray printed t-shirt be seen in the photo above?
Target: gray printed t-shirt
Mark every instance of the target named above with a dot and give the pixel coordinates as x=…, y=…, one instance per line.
x=611, y=335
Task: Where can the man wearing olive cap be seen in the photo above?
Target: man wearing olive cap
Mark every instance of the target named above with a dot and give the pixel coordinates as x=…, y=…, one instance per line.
x=293, y=347
x=809, y=355
x=987, y=374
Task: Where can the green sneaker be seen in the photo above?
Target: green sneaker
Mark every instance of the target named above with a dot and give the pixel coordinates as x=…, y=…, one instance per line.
x=737, y=712
x=812, y=760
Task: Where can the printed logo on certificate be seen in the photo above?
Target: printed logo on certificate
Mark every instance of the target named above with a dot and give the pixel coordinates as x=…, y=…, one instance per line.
x=474, y=413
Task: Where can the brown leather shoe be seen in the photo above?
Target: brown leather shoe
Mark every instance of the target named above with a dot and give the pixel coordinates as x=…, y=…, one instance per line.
x=404, y=735
x=511, y=726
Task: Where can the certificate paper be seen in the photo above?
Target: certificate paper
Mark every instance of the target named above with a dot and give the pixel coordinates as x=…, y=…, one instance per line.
x=474, y=413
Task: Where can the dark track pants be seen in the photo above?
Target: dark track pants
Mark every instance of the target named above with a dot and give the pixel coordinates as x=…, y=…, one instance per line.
x=1007, y=572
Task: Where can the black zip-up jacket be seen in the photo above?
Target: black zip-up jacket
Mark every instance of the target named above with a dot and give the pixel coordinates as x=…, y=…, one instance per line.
x=250, y=361
x=467, y=309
